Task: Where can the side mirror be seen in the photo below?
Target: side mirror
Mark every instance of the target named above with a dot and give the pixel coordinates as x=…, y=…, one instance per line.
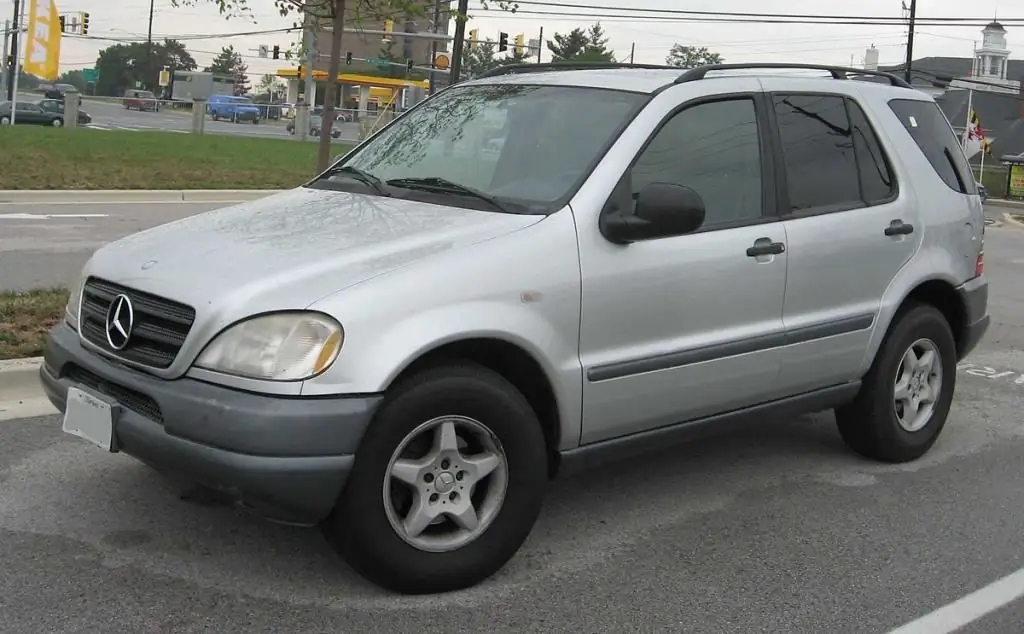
x=661, y=210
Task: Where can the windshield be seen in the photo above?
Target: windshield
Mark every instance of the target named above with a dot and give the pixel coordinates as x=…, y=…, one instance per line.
x=526, y=145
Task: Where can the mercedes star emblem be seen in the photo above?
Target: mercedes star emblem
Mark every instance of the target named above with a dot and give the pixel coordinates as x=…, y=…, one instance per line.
x=120, y=320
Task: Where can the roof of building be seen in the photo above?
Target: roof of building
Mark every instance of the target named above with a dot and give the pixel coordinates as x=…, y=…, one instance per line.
x=994, y=26
x=926, y=68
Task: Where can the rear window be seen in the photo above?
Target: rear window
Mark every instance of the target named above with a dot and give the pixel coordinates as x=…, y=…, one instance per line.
x=932, y=133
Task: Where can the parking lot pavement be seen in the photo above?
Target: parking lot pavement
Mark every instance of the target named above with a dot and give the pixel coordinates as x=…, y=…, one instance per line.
x=773, y=528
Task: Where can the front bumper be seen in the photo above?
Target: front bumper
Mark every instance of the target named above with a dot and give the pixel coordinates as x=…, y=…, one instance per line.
x=974, y=298
x=288, y=458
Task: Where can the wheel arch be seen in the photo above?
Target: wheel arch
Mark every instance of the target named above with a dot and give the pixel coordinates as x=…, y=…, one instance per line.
x=941, y=294
x=516, y=365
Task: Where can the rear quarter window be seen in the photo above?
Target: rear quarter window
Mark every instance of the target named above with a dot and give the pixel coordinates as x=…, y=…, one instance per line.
x=934, y=136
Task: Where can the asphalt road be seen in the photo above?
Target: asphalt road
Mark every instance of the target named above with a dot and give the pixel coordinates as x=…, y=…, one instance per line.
x=111, y=115
x=775, y=528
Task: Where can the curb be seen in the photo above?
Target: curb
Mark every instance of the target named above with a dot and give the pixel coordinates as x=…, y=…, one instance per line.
x=19, y=377
x=16, y=196
x=1002, y=202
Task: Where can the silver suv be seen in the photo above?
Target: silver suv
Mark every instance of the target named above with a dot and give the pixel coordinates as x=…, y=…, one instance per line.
x=530, y=273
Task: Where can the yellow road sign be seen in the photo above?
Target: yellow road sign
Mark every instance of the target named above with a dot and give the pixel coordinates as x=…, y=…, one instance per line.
x=442, y=61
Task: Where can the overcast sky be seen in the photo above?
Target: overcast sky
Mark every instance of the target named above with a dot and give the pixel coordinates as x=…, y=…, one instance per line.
x=837, y=44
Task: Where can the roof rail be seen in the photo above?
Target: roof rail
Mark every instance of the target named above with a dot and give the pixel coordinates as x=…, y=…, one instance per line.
x=837, y=72
x=516, y=69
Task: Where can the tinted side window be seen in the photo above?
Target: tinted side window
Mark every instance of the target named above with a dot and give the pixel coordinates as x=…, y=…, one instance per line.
x=933, y=135
x=817, y=147
x=876, y=181
x=714, y=149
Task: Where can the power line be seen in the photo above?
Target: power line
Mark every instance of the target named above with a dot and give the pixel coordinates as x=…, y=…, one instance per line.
x=747, y=14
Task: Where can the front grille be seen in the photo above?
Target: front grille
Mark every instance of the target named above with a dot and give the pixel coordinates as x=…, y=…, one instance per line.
x=160, y=325
x=126, y=397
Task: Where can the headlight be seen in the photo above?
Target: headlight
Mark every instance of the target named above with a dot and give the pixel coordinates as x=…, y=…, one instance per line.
x=276, y=347
x=74, y=298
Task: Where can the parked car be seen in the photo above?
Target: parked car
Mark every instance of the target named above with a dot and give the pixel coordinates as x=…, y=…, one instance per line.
x=316, y=122
x=30, y=114
x=53, y=105
x=405, y=349
x=234, y=109
x=141, y=100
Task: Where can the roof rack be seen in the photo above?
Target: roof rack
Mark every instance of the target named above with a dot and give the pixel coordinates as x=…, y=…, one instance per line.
x=837, y=72
x=516, y=69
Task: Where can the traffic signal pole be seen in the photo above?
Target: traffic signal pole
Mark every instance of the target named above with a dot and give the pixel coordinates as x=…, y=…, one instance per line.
x=12, y=70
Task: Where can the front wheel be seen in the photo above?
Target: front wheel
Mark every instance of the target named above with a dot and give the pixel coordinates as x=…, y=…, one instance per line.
x=57, y=122
x=5, y=120
x=447, y=484
x=905, y=397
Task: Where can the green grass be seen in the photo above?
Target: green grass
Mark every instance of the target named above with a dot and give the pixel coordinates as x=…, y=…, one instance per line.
x=994, y=180
x=45, y=158
x=25, y=320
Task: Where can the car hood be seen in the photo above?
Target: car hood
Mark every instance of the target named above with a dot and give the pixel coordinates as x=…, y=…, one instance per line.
x=290, y=249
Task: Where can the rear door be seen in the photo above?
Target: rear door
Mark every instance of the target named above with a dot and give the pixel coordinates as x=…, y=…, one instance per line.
x=850, y=229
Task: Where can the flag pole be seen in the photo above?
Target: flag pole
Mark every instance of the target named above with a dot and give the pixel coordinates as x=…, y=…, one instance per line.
x=981, y=174
x=967, y=126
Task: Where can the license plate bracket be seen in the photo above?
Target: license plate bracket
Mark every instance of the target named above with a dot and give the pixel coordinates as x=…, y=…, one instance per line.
x=91, y=417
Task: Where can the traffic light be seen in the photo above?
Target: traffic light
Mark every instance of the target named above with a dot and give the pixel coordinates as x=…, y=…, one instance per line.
x=409, y=64
x=502, y=41
x=85, y=23
x=389, y=27
x=299, y=72
x=348, y=58
x=62, y=24
x=520, y=43
x=474, y=37
x=277, y=52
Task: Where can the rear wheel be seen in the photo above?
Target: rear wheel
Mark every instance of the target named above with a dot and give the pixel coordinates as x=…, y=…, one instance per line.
x=905, y=397
x=5, y=120
x=57, y=122
x=447, y=484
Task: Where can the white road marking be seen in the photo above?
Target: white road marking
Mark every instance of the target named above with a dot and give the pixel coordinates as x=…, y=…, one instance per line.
x=49, y=216
x=968, y=609
x=986, y=372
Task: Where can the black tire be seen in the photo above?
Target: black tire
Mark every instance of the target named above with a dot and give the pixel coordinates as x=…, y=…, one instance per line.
x=359, y=528
x=869, y=425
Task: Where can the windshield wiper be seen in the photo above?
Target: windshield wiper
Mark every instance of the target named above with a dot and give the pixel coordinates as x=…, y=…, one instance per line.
x=363, y=177
x=442, y=185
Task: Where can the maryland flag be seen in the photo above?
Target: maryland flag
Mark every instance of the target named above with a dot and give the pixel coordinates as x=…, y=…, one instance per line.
x=974, y=137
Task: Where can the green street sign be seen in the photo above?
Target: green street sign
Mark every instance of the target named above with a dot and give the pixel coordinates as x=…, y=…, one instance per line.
x=90, y=75
x=380, y=61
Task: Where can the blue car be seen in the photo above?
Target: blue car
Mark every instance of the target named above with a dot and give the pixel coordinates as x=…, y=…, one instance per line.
x=234, y=109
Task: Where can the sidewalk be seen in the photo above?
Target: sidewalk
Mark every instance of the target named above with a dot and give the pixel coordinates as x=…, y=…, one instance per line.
x=45, y=196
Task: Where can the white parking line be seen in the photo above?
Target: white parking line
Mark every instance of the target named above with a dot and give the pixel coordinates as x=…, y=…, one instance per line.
x=968, y=609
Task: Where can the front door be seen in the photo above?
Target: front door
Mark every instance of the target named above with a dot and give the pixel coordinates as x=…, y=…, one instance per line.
x=677, y=328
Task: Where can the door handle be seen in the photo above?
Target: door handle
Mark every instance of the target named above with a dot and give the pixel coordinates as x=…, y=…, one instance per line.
x=765, y=246
x=899, y=228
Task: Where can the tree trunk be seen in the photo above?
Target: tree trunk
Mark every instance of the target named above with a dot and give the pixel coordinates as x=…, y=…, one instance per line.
x=331, y=92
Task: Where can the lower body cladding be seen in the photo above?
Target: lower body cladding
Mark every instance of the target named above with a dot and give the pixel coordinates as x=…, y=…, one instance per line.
x=287, y=458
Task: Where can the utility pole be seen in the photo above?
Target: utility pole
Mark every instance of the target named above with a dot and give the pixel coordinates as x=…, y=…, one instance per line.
x=632, y=52
x=434, y=26
x=12, y=70
x=149, y=44
x=910, y=41
x=3, y=55
x=540, y=43
x=459, y=43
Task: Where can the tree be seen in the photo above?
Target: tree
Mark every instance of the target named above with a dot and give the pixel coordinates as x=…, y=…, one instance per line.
x=124, y=66
x=691, y=56
x=230, y=62
x=74, y=77
x=578, y=45
x=335, y=14
x=270, y=85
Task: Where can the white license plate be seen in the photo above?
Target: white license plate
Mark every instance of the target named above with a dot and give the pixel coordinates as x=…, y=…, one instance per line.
x=89, y=418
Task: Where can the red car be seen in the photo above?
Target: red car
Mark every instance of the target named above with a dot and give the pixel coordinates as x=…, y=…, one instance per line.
x=141, y=100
